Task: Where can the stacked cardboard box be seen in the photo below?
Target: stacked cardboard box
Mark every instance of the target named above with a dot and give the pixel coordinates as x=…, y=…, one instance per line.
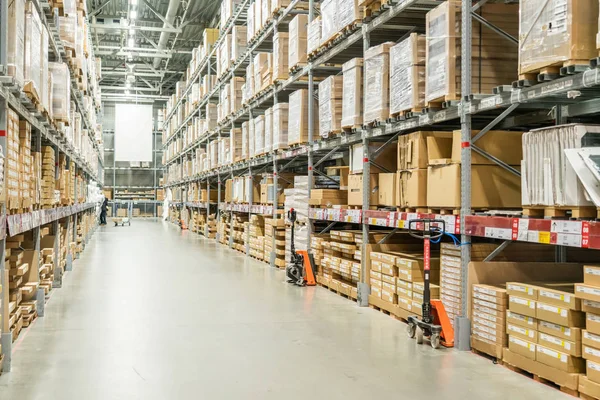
x=411, y=273
x=377, y=92
x=489, y=328
x=280, y=126
x=492, y=186
x=317, y=246
x=275, y=230
x=256, y=234
x=544, y=326
x=25, y=165
x=340, y=270
x=494, y=61
x=48, y=196
x=407, y=75
x=387, y=158
x=280, y=57
x=298, y=36
x=330, y=106
x=13, y=187
x=298, y=117
x=313, y=36
x=589, y=293
x=352, y=95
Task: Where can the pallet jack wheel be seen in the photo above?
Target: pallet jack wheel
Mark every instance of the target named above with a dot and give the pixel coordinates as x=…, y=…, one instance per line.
x=411, y=330
x=435, y=341
x=419, y=335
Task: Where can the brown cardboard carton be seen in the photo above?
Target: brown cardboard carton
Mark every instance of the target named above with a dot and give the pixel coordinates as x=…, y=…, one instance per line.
x=434, y=290
x=522, y=347
x=552, y=374
x=523, y=290
x=490, y=333
x=522, y=306
x=404, y=292
x=505, y=145
x=560, y=295
x=386, y=158
x=558, y=315
x=492, y=293
x=498, y=327
x=589, y=306
x=592, y=323
x=405, y=303
x=593, y=371
x=521, y=320
x=391, y=280
x=559, y=344
x=521, y=332
x=491, y=186
x=411, y=188
x=587, y=292
x=590, y=339
x=412, y=149
x=589, y=352
x=492, y=316
x=589, y=387
x=355, y=192
x=387, y=189
x=591, y=275
x=564, y=332
x=559, y=360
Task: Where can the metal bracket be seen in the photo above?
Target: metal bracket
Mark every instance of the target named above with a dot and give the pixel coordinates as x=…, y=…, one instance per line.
x=493, y=27
x=496, y=160
x=495, y=122
x=386, y=237
x=497, y=251
x=325, y=176
x=378, y=150
x=328, y=227
x=326, y=157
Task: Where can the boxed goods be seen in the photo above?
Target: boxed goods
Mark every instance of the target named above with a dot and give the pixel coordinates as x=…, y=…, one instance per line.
x=16, y=40
x=238, y=41
x=298, y=117
x=280, y=56
x=352, y=97
x=298, y=41
x=355, y=190
x=330, y=106
x=314, y=35
x=33, y=53
x=280, y=126
x=377, y=79
x=407, y=75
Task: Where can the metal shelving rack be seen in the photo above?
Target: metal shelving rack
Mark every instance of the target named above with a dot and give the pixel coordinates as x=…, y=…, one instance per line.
x=574, y=95
x=43, y=133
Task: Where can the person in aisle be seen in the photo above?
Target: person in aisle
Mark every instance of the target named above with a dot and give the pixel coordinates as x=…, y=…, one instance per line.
x=168, y=197
x=103, y=211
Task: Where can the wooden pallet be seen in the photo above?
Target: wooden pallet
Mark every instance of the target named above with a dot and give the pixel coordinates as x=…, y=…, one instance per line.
x=352, y=128
x=539, y=379
x=295, y=68
x=373, y=9
x=583, y=212
x=410, y=113
x=444, y=211
x=422, y=210
x=551, y=72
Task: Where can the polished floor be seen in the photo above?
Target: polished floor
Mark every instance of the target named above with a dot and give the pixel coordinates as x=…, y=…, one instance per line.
x=150, y=312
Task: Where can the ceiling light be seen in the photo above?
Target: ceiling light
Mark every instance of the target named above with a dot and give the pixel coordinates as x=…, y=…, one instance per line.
x=133, y=2
x=130, y=42
x=127, y=92
x=132, y=14
x=127, y=85
x=131, y=31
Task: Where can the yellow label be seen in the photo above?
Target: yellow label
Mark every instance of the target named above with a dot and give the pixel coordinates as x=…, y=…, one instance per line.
x=400, y=224
x=544, y=237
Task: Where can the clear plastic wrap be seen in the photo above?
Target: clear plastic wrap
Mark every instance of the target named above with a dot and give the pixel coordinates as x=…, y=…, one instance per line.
x=329, y=20
x=213, y=150
x=33, y=52
x=259, y=135
x=298, y=117
x=352, y=97
x=330, y=105
x=257, y=16
x=16, y=40
x=250, y=90
x=238, y=41
x=261, y=67
x=228, y=10
x=280, y=126
x=224, y=56
x=265, y=12
x=298, y=40
x=268, y=142
x=251, y=139
x=211, y=116
x=552, y=31
x=195, y=93
x=68, y=30
x=61, y=91
x=314, y=35
x=44, y=74
x=377, y=94
x=439, y=41
x=280, y=56
x=235, y=144
x=209, y=38
x=235, y=97
x=348, y=13
x=250, y=27
x=223, y=155
x=277, y=5
x=245, y=140
x=407, y=74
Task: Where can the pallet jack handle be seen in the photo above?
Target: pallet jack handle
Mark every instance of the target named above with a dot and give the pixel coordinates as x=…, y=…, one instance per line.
x=430, y=231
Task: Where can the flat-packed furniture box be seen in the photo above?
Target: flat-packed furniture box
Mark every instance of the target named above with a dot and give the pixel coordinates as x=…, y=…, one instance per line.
x=547, y=42
x=386, y=158
x=298, y=36
x=280, y=126
x=494, y=59
x=377, y=80
x=489, y=326
x=238, y=41
x=387, y=189
x=411, y=188
x=352, y=97
x=355, y=190
x=330, y=106
x=298, y=117
x=280, y=56
x=407, y=75
x=314, y=35
x=15, y=40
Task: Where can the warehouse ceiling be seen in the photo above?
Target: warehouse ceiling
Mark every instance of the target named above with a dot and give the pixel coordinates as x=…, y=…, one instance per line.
x=146, y=45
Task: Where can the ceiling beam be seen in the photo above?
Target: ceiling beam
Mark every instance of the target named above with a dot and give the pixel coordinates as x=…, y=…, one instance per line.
x=159, y=15
x=100, y=7
x=112, y=26
x=131, y=89
x=126, y=54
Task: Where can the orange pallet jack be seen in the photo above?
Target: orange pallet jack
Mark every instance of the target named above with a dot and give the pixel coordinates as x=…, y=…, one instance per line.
x=300, y=270
x=435, y=325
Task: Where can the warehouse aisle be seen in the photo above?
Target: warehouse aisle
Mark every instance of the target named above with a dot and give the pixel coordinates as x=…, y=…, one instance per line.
x=153, y=313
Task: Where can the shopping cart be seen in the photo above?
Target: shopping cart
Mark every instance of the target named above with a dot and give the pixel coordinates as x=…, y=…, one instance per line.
x=128, y=211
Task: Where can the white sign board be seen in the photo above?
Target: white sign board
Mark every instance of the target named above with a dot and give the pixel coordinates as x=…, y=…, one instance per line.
x=133, y=132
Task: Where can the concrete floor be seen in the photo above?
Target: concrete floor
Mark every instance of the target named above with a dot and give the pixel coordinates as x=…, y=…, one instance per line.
x=150, y=312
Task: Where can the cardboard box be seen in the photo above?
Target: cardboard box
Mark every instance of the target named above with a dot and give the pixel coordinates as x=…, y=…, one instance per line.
x=560, y=316
x=412, y=149
x=522, y=290
x=560, y=295
x=387, y=189
x=593, y=372
x=559, y=344
x=561, y=378
x=522, y=347
x=521, y=320
x=589, y=387
x=522, y=332
x=591, y=275
x=352, y=93
x=505, y=145
x=411, y=188
x=522, y=306
x=377, y=78
x=589, y=306
x=564, y=332
x=405, y=303
x=491, y=187
x=355, y=192
x=386, y=158
x=589, y=352
x=592, y=323
x=559, y=360
x=590, y=339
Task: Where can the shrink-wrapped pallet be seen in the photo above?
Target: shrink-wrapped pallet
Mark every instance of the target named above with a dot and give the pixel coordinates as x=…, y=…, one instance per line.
x=68, y=30
x=235, y=144
x=330, y=105
x=16, y=40
x=245, y=140
x=547, y=177
x=251, y=139
x=556, y=33
x=298, y=117
x=259, y=135
x=61, y=91
x=494, y=60
x=224, y=58
x=278, y=5
x=223, y=156
x=329, y=18
x=268, y=141
x=44, y=73
x=238, y=41
x=261, y=68
x=298, y=40
x=348, y=13
x=195, y=93
x=265, y=11
x=211, y=116
x=250, y=81
x=280, y=56
x=377, y=93
x=407, y=75
x=314, y=35
x=209, y=38
x=235, y=97
x=208, y=84
x=213, y=153
x=280, y=126
x=250, y=30
x=33, y=52
x=228, y=10
x=352, y=97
